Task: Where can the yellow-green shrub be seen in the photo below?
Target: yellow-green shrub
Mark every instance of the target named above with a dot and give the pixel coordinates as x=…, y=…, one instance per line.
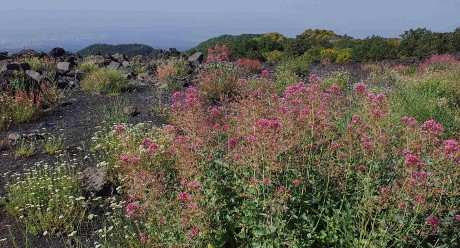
x=344, y=55
x=329, y=54
x=273, y=56
x=87, y=66
x=105, y=81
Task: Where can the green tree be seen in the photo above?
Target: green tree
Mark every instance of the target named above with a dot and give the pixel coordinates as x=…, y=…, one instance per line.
x=453, y=43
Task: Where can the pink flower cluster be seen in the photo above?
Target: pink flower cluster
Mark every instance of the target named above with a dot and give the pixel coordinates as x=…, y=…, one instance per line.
x=190, y=98
x=193, y=233
x=218, y=54
x=410, y=123
x=452, y=150
x=437, y=59
x=269, y=124
x=434, y=222
x=265, y=73
x=361, y=89
x=314, y=79
x=119, y=128
x=184, y=197
x=133, y=160
x=131, y=208
x=433, y=128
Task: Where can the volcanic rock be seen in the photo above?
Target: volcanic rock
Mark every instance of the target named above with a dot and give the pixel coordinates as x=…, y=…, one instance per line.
x=57, y=52
x=196, y=59
x=34, y=75
x=95, y=180
x=65, y=66
x=113, y=65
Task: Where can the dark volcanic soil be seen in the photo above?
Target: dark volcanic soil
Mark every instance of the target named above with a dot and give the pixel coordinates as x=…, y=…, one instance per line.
x=76, y=121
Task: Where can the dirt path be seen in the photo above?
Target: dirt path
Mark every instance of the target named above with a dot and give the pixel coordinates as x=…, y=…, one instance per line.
x=76, y=121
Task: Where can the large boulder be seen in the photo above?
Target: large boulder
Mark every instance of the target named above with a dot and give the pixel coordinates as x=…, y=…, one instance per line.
x=126, y=64
x=196, y=59
x=26, y=53
x=118, y=57
x=173, y=52
x=130, y=111
x=15, y=67
x=57, y=52
x=34, y=75
x=4, y=56
x=113, y=65
x=94, y=180
x=65, y=66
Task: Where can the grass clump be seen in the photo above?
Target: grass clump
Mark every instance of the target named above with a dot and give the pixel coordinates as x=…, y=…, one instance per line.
x=114, y=113
x=105, y=81
x=139, y=68
x=46, y=199
x=25, y=150
x=430, y=96
x=88, y=66
x=53, y=145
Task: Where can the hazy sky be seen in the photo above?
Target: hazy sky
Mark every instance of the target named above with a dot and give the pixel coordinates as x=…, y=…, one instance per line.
x=183, y=23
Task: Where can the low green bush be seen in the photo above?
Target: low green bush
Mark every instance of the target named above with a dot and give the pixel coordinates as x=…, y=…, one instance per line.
x=87, y=66
x=105, y=81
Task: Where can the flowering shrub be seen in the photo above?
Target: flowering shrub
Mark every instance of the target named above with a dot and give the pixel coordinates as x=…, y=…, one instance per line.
x=19, y=105
x=170, y=70
x=437, y=62
x=218, y=54
x=250, y=65
x=291, y=169
x=220, y=81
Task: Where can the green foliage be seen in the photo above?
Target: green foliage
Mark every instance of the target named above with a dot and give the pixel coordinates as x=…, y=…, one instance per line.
x=434, y=97
x=46, y=199
x=287, y=72
x=345, y=55
x=113, y=113
x=25, y=149
x=238, y=44
x=339, y=78
x=273, y=56
x=87, y=66
x=129, y=50
x=419, y=42
x=422, y=42
x=297, y=47
x=138, y=68
x=454, y=41
x=313, y=55
x=40, y=64
x=53, y=145
x=105, y=81
x=320, y=35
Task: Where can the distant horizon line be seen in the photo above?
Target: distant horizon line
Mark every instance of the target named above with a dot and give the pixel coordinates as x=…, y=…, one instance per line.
x=74, y=47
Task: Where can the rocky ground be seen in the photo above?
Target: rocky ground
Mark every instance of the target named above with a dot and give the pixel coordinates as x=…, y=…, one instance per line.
x=76, y=120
